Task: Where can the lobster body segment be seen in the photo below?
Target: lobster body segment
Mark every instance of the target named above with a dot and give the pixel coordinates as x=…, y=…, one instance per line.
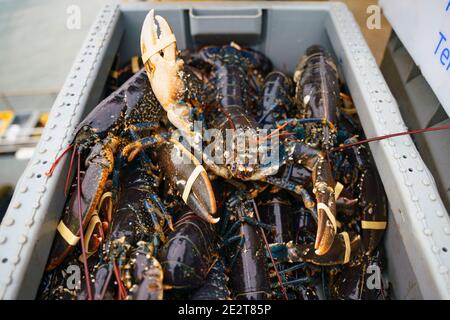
x=189, y=252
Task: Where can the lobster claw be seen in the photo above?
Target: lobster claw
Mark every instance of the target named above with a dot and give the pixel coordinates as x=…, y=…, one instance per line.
x=164, y=70
x=99, y=166
x=326, y=205
x=188, y=176
x=344, y=249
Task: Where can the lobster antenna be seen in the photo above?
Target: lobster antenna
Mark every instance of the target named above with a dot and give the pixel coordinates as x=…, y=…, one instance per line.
x=105, y=287
x=53, y=167
x=122, y=291
x=66, y=188
x=266, y=243
x=387, y=136
x=80, y=217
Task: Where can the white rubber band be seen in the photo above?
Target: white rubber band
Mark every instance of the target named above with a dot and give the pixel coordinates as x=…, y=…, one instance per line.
x=67, y=235
x=103, y=198
x=190, y=182
x=348, y=248
x=87, y=237
x=161, y=45
x=373, y=225
x=330, y=216
x=337, y=190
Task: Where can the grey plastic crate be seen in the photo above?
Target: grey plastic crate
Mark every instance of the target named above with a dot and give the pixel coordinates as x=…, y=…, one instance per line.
x=419, y=227
x=420, y=108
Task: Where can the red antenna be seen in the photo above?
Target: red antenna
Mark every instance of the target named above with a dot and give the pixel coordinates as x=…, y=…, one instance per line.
x=392, y=135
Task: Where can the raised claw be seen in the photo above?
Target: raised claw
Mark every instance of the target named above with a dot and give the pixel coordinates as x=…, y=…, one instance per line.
x=164, y=70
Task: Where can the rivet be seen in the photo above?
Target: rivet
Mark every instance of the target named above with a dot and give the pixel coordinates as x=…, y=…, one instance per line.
x=439, y=213
x=8, y=221
x=37, y=162
x=22, y=239
x=402, y=169
x=408, y=183
x=426, y=182
x=30, y=175
x=391, y=143
x=43, y=150
x=413, y=155
x=393, y=111
x=36, y=205
x=432, y=197
x=47, y=138
x=443, y=269
x=427, y=232
x=41, y=189
x=398, y=121
x=419, y=168
x=6, y=280
x=420, y=215
x=52, y=126
x=414, y=198
x=447, y=230
x=29, y=222
x=15, y=260
x=3, y=239
x=435, y=249
x=57, y=114
x=16, y=205
x=396, y=155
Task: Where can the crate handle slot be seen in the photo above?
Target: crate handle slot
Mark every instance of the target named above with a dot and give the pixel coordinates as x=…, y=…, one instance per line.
x=224, y=25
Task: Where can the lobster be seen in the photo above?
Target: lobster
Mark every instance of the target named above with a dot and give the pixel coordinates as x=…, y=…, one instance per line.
x=231, y=89
x=116, y=131
x=230, y=68
x=189, y=252
x=249, y=274
x=135, y=234
x=363, y=231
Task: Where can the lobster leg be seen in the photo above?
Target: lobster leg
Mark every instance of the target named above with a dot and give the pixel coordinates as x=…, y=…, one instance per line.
x=158, y=231
x=147, y=272
x=99, y=165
